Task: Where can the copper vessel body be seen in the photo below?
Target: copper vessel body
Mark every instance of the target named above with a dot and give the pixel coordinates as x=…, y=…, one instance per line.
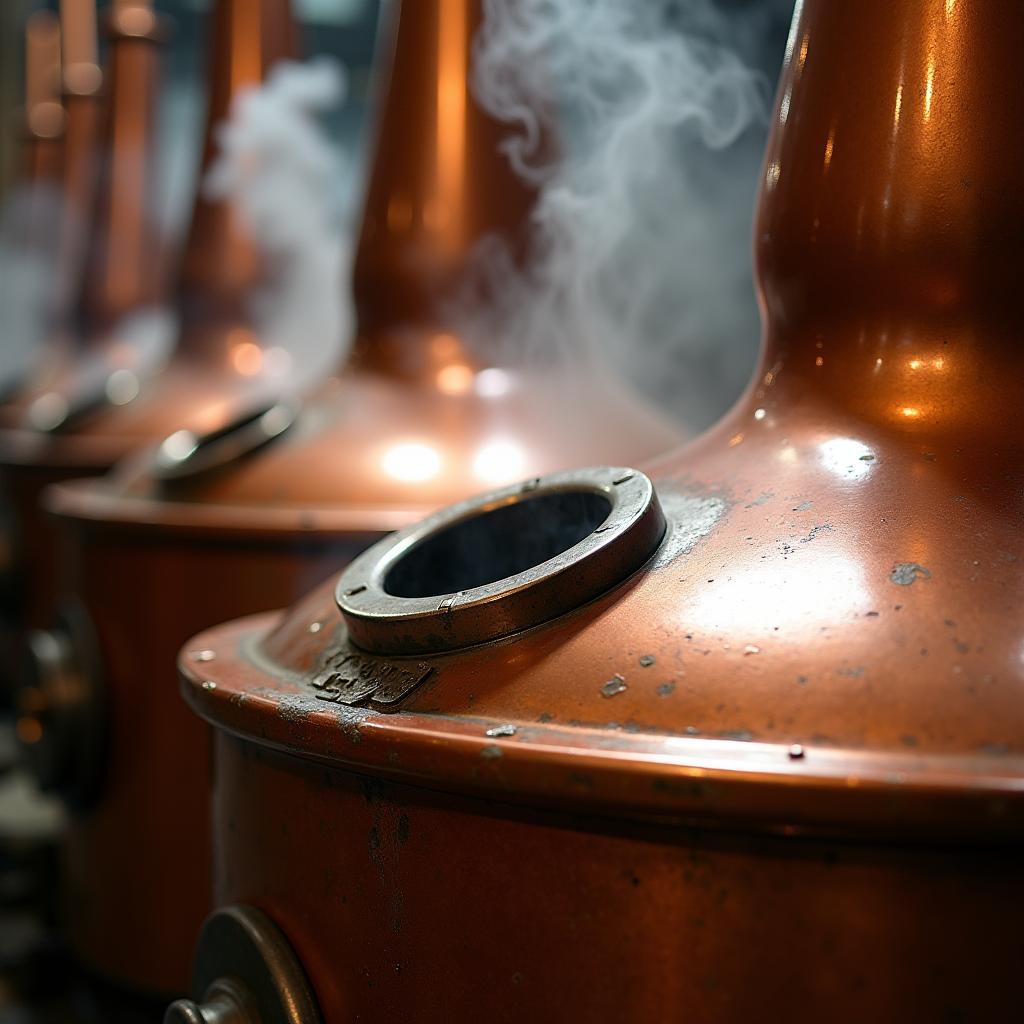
x=778, y=771
x=404, y=428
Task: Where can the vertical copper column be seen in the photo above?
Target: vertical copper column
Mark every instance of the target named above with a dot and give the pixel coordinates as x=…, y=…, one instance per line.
x=221, y=264
x=125, y=270
x=81, y=82
x=891, y=217
x=439, y=185
x=44, y=115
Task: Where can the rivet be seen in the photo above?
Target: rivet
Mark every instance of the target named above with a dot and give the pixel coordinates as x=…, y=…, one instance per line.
x=796, y=752
x=203, y=655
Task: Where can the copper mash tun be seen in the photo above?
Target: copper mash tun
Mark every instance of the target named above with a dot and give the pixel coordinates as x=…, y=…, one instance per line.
x=240, y=518
x=741, y=741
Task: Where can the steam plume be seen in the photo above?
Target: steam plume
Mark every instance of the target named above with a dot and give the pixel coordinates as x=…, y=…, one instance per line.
x=277, y=164
x=636, y=258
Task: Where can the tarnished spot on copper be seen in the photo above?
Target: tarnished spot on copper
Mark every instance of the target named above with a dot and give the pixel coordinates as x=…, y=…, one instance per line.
x=816, y=532
x=501, y=730
x=690, y=518
x=614, y=686
x=905, y=573
x=647, y=660
x=491, y=752
x=347, y=677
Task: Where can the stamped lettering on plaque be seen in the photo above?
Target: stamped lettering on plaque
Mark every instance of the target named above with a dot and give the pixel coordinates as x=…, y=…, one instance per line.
x=345, y=677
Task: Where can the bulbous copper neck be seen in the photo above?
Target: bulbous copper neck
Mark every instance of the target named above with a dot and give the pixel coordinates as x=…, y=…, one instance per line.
x=891, y=212
x=221, y=264
x=439, y=185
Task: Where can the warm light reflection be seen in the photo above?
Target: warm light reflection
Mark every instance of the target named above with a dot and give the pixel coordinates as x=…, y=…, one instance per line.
x=499, y=462
x=819, y=360
x=898, y=108
x=493, y=382
x=759, y=414
x=771, y=174
x=456, y=379
x=829, y=145
x=910, y=412
x=846, y=457
x=247, y=358
x=451, y=113
x=938, y=363
x=797, y=594
x=735, y=440
x=950, y=7
x=411, y=462
x=928, y=89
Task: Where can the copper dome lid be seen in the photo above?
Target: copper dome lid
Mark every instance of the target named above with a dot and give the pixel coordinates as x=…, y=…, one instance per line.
x=416, y=417
x=824, y=638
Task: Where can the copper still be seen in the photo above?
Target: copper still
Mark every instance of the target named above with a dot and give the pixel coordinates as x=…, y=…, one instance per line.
x=746, y=745
x=237, y=520
x=102, y=399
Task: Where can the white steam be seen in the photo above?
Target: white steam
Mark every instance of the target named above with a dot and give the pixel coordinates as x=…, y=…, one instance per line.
x=641, y=245
x=278, y=165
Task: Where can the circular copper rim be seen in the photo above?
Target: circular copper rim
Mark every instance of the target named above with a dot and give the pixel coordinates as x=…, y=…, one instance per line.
x=381, y=622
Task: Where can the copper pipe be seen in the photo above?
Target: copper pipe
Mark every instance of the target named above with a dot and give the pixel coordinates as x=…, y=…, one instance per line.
x=42, y=74
x=789, y=750
x=220, y=265
x=125, y=269
x=439, y=185
x=82, y=83
x=43, y=119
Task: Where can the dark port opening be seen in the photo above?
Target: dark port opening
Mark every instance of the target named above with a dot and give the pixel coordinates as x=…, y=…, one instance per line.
x=497, y=544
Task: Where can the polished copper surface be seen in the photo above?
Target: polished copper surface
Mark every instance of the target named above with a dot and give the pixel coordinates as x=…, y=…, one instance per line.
x=411, y=423
x=778, y=773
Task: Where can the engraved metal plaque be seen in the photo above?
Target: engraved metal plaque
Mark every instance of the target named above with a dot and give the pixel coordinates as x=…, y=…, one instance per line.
x=346, y=677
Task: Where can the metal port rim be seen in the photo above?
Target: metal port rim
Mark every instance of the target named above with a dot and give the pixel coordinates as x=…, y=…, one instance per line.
x=382, y=623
